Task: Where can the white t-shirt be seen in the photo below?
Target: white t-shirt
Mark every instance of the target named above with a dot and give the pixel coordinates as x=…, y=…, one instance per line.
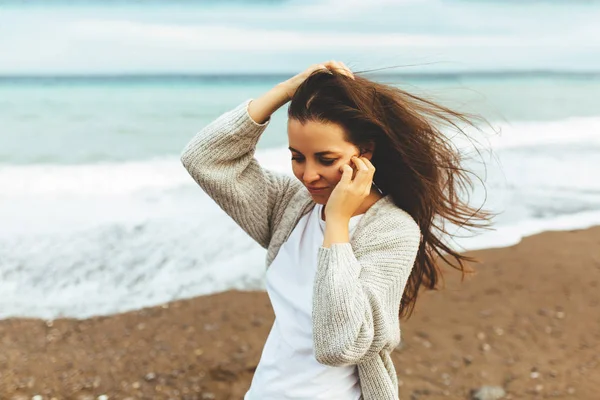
x=288, y=368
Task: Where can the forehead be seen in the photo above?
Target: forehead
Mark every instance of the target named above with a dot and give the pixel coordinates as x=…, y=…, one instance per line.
x=316, y=135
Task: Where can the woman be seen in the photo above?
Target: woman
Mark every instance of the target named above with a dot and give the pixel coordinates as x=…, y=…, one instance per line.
x=351, y=240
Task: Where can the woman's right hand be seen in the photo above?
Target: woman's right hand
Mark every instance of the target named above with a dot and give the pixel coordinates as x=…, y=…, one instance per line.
x=293, y=83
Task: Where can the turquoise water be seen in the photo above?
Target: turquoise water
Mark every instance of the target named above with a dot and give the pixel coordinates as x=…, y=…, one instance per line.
x=98, y=216
x=85, y=120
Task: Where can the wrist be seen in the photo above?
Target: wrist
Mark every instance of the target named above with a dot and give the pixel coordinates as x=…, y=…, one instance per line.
x=337, y=218
x=285, y=91
x=336, y=231
x=261, y=108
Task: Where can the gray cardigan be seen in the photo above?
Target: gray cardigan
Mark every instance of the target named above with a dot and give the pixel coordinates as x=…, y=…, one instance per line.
x=358, y=285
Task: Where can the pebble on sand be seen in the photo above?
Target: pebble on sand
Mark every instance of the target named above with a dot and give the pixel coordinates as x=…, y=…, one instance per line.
x=489, y=393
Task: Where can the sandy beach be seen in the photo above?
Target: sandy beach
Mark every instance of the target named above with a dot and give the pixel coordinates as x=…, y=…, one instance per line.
x=528, y=321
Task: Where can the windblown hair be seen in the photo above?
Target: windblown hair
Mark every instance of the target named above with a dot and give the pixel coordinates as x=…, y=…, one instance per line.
x=415, y=162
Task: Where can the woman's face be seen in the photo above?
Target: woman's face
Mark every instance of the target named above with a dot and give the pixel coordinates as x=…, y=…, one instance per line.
x=318, y=152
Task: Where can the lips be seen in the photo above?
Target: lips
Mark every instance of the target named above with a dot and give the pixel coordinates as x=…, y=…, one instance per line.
x=316, y=189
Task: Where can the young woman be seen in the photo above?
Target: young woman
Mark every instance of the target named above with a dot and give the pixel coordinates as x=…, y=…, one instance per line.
x=351, y=239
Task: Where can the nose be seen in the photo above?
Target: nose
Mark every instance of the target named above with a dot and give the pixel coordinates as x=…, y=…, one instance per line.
x=311, y=173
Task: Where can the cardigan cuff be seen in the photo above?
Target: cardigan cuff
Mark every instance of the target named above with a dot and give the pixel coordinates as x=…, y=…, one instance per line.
x=248, y=119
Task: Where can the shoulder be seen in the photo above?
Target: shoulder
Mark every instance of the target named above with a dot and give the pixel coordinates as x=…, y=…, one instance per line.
x=387, y=229
x=386, y=244
x=386, y=217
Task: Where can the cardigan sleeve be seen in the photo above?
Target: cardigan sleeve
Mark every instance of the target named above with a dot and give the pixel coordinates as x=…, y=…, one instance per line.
x=220, y=158
x=357, y=300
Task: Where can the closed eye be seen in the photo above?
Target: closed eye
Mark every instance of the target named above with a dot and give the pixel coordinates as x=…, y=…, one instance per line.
x=324, y=161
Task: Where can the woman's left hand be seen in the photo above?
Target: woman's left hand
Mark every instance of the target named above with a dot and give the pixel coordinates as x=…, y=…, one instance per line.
x=349, y=193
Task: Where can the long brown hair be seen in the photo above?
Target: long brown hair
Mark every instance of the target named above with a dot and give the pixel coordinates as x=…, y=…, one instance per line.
x=416, y=163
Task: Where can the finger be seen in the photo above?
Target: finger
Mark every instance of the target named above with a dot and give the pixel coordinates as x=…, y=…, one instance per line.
x=322, y=67
x=346, y=174
x=362, y=171
x=338, y=67
x=342, y=69
x=361, y=166
x=350, y=74
x=331, y=65
x=369, y=165
x=364, y=179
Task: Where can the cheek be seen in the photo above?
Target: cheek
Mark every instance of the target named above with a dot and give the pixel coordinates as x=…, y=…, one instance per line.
x=332, y=174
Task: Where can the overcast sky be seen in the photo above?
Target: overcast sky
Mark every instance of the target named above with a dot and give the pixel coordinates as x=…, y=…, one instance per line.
x=282, y=37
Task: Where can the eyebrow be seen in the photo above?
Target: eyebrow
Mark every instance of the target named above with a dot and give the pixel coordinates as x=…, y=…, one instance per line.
x=321, y=153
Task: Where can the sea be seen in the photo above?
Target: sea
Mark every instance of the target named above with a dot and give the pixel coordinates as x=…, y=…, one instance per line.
x=98, y=216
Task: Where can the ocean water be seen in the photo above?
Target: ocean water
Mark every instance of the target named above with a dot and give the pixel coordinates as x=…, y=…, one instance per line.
x=97, y=214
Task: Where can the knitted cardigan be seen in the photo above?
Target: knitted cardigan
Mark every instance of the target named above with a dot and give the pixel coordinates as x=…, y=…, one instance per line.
x=358, y=285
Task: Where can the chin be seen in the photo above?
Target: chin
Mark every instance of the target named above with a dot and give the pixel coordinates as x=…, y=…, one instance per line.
x=319, y=199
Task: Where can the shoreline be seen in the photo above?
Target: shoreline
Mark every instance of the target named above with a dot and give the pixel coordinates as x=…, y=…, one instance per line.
x=526, y=321
x=564, y=223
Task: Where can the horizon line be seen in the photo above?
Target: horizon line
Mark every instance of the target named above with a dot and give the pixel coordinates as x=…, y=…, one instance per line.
x=255, y=75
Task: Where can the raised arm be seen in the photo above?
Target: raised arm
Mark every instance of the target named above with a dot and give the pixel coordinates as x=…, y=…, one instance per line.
x=221, y=160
